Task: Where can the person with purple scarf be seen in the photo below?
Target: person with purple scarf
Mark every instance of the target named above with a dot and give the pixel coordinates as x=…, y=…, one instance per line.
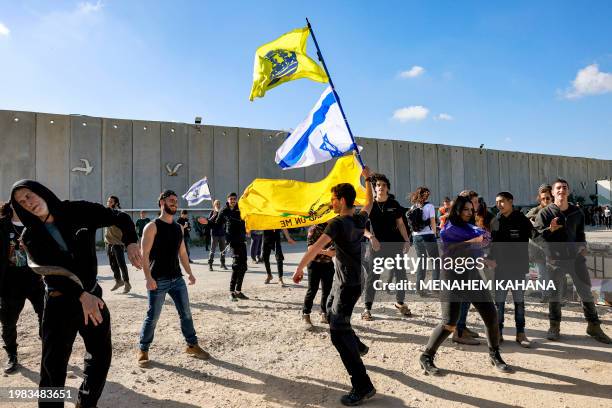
x=460, y=241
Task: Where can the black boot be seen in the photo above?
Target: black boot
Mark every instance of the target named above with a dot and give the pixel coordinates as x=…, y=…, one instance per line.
x=355, y=398
x=428, y=366
x=497, y=361
x=12, y=364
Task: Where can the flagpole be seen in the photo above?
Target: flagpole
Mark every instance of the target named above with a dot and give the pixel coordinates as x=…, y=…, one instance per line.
x=331, y=83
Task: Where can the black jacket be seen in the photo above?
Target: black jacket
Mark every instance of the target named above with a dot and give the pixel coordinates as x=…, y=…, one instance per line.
x=77, y=222
x=19, y=280
x=566, y=242
x=4, y=252
x=510, y=243
x=215, y=223
x=235, y=230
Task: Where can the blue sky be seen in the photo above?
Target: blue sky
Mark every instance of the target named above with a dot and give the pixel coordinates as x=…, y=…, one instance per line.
x=526, y=76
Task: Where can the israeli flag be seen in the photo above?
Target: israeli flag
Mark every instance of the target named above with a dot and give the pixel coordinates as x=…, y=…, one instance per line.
x=321, y=137
x=197, y=193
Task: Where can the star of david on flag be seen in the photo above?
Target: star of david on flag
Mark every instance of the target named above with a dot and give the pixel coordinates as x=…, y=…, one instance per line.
x=323, y=135
x=197, y=193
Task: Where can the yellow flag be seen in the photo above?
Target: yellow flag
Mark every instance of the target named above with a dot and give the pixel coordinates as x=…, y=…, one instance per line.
x=274, y=204
x=282, y=60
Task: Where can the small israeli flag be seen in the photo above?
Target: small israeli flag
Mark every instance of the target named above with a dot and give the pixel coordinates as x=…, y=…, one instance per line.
x=197, y=193
x=322, y=136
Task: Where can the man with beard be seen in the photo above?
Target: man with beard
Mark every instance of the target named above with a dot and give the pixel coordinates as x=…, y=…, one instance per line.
x=61, y=237
x=17, y=283
x=115, y=250
x=235, y=235
x=162, y=247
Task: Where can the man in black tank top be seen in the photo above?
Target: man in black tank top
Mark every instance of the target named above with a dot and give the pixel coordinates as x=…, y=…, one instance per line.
x=162, y=247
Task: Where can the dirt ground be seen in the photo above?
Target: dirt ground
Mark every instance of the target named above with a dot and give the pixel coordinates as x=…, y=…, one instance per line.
x=262, y=357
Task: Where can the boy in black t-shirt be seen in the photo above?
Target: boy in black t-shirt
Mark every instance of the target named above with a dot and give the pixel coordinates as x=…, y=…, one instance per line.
x=346, y=231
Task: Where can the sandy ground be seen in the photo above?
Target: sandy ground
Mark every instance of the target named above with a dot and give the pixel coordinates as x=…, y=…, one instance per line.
x=263, y=358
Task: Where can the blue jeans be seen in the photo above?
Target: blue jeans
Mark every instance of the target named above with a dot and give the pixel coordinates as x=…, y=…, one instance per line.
x=256, y=245
x=426, y=246
x=518, y=296
x=461, y=323
x=177, y=290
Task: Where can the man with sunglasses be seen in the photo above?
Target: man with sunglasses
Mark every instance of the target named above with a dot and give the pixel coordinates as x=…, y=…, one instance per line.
x=162, y=248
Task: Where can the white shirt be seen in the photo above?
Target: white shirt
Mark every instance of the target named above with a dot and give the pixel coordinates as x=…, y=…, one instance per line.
x=428, y=212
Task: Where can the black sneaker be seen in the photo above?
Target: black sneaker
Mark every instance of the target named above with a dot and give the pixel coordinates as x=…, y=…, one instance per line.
x=363, y=350
x=11, y=365
x=242, y=296
x=233, y=297
x=354, y=398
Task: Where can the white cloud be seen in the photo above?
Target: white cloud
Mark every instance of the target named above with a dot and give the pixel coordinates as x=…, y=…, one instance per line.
x=413, y=72
x=590, y=81
x=444, y=116
x=88, y=7
x=411, y=113
x=4, y=31
x=508, y=139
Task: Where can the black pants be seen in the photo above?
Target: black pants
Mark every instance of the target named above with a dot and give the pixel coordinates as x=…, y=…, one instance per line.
x=318, y=273
x=187, y=240
x=62, y=319
x=339, y=310
x=207, y=240
x=239, y=265
x=268, y=246
x=116, y=258
x=577, y=269
x=481, y=299
x=12, y=303
x=399, y=274
x=450, y=315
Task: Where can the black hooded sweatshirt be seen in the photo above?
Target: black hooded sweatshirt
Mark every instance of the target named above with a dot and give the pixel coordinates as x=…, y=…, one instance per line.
x=235, y=229
x=77, y=222
x=510, y=236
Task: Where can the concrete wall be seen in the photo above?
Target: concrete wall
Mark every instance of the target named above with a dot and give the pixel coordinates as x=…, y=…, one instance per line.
x=129, y=160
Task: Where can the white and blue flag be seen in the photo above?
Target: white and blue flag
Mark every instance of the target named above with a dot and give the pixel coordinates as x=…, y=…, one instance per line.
x=322, y=136
x=197, y=193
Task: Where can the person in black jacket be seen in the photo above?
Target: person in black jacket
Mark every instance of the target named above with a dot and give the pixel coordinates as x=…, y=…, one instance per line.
x=62, y=234
x=17, y=283
x=510, y=234
x=217, y=231
x=561, y=226
x=235, y=235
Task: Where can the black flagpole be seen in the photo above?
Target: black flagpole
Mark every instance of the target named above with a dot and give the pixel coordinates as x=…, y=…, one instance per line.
x=331, y=83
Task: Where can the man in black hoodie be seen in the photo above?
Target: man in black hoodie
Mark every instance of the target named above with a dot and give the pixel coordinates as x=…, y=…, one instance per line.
x=510, y=233
x=17, y=283
x=62, y=234
x=561, y=226
x=235, y=235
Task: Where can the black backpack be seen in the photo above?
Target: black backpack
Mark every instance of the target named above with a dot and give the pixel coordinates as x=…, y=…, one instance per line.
x=415, y=218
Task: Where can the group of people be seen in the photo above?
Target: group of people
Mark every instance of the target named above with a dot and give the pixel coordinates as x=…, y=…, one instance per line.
x=468, y=230
x=599, y=216
x=57, y=239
